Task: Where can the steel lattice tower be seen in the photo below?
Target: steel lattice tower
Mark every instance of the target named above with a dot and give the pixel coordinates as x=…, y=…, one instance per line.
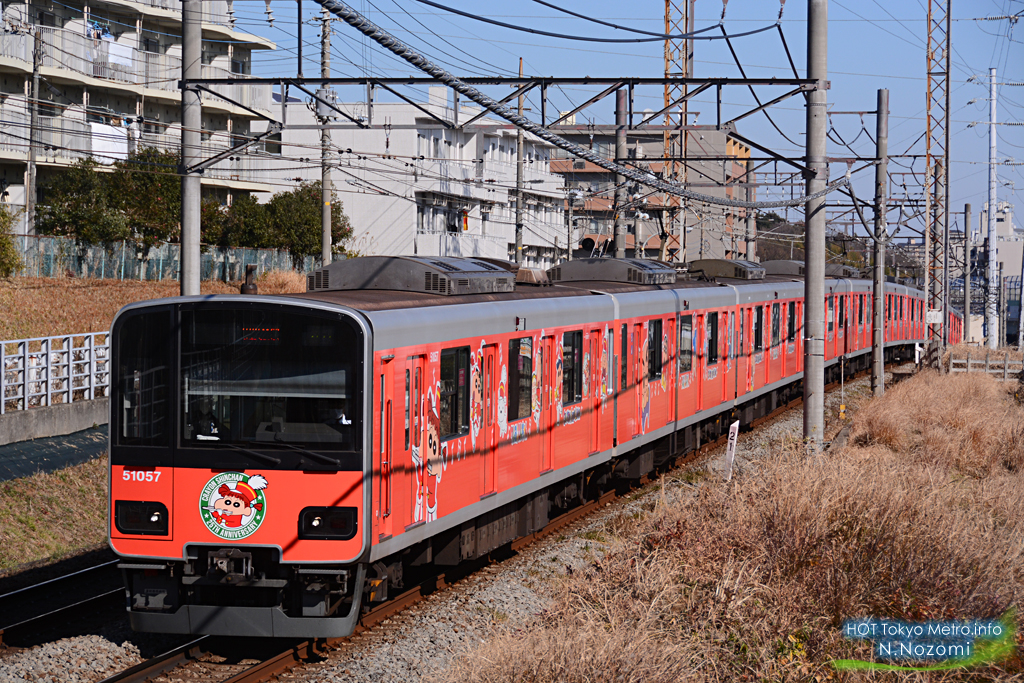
x=678, y=63
x=936, y=191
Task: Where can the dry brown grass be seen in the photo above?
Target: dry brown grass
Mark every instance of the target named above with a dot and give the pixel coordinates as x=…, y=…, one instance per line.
x=751, y=580
x=51, y=515
x=978, y=352
x=281, y=282
x=41, y=307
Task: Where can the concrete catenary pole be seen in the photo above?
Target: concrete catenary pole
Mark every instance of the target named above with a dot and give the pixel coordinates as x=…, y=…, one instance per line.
x=33, y=136
x=191, y=123
x=618, y=230
x=751, y=253
x=881, y=236
x=326, y=187
x=814, y=256
x=518, y=183
x=992, y=298
x=967, y=272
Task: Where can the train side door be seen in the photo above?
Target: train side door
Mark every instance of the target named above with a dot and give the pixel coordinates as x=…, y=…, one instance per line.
x=412, y=468
x=670, y=365
x=546, y=375
x=592, y=403
x=636, y=369
x=385, y=446
x=490, y=442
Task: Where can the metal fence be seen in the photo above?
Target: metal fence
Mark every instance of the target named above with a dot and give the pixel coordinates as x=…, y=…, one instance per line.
x=56, y=256
x=50, y=371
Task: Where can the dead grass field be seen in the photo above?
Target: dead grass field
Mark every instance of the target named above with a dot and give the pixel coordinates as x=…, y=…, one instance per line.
x=919, y=518
x=42, y=307
x=53, y=515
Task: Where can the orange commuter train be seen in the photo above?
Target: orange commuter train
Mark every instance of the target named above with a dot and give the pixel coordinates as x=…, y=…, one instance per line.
x=280, y=463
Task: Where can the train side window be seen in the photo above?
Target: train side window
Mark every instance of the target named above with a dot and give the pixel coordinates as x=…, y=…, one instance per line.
x=776, y=325
x=912, y=311
x=572, y=367
x=520, y=378
x=831, y=314
x=654, y=342
x=454, y=391
x=842, y=311
x=407, y=406
x=860, y=309
x=759, y=328
x=686, y=343
x=624, y=359
x=791, y=322
x=901, y=308
x=741, y=330
x=711, y=339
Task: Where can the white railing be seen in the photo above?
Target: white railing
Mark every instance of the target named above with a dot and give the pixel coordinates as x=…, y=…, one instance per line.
x=14, y=129
x=252, y=96
x=63, y=138
x=68, y=49
x=50, y=371
x=16, y=46
x=160, y=71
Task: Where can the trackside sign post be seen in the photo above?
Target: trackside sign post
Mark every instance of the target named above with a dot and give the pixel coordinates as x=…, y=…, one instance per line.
x=730, y=450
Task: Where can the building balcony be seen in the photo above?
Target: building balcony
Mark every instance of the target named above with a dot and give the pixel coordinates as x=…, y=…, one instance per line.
x=70, y=56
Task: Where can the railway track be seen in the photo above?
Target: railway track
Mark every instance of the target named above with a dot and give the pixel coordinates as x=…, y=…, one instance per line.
x=56, y=607
x=225, y=660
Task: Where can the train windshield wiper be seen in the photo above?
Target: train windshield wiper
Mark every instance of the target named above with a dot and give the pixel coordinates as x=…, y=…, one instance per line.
x=315, y=456
x=262, y=456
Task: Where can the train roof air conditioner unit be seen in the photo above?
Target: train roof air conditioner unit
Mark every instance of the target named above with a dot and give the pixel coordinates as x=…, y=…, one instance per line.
x=447, y=276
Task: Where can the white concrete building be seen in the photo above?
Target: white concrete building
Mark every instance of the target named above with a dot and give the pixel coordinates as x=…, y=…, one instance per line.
x=110, y=72
x=418, y=187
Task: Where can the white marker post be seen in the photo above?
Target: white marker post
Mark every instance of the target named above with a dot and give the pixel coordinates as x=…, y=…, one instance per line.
x=730, y=450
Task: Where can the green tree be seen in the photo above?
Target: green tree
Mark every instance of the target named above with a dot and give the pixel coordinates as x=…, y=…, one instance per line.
x=146, y=189
x=79, y=206
x=211, y=222
x=248, y=224
x=296, y=220
x=10, y=260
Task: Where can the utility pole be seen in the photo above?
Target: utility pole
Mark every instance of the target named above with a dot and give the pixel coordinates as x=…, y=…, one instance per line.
x=881, y=237
x=751, y=216
x=814, y=255
x=33, y=135
x=569, y=229
x=967, y=272
x=1001, y=293
x=326, y=188
x=618, y=235
x=992, y=300
x=519, y=180
x=191, y=122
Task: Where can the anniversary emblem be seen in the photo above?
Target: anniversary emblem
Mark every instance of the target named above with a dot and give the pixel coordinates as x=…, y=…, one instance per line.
x=233, y=504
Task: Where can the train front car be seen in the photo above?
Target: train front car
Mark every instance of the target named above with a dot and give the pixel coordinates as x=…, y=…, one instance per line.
x=237, y=438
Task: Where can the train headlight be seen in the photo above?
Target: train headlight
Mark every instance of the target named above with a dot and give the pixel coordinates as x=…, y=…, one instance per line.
x=328, y=523
x=140, y=517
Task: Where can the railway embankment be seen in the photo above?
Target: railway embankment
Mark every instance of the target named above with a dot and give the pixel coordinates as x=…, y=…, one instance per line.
x=918, y=518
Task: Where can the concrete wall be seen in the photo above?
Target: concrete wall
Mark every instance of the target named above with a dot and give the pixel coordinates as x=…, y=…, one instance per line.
x=57, y=420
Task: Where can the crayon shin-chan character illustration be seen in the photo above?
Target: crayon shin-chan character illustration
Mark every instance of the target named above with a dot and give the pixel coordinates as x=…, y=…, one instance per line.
x=427, y=461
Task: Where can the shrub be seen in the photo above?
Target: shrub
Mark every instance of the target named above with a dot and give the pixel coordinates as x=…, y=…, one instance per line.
x=10, y=259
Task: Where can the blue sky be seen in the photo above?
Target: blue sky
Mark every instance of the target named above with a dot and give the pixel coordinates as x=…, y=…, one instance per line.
x=872, y=44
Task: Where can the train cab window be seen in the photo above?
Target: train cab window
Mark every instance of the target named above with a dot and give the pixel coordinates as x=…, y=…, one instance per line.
x=624, y=359
x=454, y=401
x=520, y=378
x=268, y=378
x=686, y=343
x=654, y=351
x=831, y=314
x=142, y=351
x=759, y=328
x=776, y=325
x=711, y=339
x=572, y=367
x=791, y=323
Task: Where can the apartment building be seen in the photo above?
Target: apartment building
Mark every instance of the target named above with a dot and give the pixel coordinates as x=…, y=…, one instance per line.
x=699, y=232
x=415, y=186
x=110, y=71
